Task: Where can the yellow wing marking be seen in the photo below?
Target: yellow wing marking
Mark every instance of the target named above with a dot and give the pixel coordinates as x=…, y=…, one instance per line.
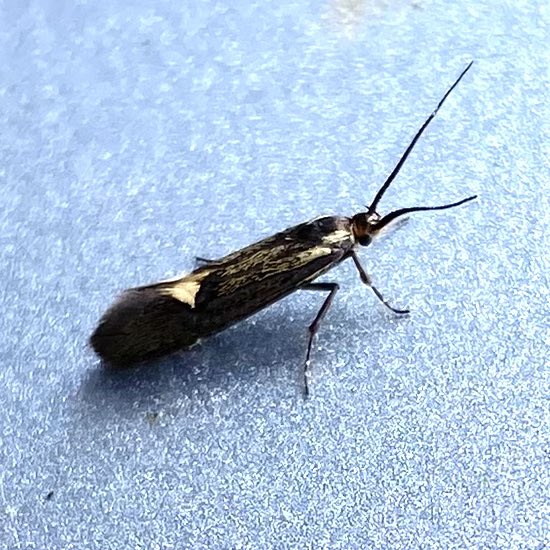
x=184, y=289
x=338, y=236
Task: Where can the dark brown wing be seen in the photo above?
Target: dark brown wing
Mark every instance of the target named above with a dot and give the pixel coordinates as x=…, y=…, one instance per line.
x=154, y=320
x=240, y=284
x=143, y=324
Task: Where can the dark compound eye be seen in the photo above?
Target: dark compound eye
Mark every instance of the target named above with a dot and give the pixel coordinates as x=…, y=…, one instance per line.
x=365, y=240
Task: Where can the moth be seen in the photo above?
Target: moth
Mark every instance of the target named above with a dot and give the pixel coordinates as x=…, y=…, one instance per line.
x=147, y=322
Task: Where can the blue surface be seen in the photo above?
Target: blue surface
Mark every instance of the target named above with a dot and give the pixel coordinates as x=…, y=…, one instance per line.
x=136, y=137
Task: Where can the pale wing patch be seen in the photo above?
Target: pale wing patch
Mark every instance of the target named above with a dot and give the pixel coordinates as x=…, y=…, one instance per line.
x=184, y=292
x=338, y=236
x=314, y=252
x=185, y=289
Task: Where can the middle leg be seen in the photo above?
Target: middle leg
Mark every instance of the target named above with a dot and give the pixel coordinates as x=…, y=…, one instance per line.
x=331, y=288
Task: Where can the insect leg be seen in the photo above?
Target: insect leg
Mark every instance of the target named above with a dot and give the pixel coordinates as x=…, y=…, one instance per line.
x=367, y=280
x=331, y=288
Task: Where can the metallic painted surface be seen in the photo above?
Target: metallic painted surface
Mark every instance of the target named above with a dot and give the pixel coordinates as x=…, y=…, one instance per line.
x=135, y=137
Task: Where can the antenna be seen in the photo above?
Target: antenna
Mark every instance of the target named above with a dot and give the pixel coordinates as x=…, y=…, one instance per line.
x=383, y=189
x=388, y=218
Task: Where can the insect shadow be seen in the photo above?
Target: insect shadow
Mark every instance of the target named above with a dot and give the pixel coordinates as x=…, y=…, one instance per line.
x=244, y=356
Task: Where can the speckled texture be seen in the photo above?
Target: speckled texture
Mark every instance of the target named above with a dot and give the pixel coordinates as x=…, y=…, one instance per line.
x=133, y=138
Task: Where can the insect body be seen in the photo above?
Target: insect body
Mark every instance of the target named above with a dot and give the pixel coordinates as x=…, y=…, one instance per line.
x=154, y=320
